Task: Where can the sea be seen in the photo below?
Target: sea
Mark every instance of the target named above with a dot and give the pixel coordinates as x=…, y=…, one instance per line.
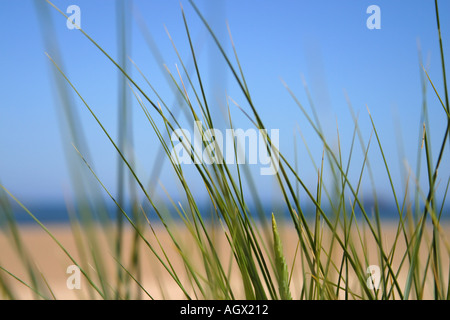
x=58, y=213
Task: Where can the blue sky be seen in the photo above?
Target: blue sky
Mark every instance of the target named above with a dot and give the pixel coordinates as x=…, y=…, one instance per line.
x=326, y=42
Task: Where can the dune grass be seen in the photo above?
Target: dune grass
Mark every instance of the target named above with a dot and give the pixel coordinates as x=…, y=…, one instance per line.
x=332, y=253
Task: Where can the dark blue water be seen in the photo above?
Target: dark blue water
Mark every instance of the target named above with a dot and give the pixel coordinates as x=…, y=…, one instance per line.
x=58, y=212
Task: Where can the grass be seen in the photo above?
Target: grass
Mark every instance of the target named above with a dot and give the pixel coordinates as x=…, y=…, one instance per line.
x=333, y=249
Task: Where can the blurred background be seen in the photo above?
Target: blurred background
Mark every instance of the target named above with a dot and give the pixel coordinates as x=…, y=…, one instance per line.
x=325, y=44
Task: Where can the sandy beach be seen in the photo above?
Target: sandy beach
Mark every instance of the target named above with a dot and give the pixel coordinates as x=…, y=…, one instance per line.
x=52, y=261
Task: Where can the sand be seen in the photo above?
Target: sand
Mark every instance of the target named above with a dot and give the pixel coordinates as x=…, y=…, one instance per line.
x=53, y=263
